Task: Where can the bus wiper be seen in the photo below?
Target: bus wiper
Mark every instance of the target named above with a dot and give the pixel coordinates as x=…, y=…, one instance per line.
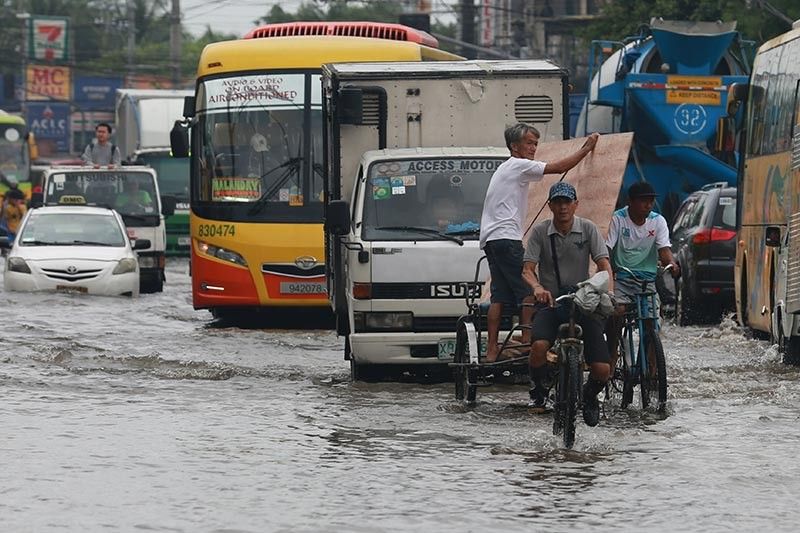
x=423, y=230
x=292, y=167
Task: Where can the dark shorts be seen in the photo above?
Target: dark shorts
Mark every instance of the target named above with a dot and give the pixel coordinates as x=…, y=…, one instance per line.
x=545, y=326
x=505, y=266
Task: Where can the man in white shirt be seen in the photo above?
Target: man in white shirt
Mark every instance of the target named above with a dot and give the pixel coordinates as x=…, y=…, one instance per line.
x=504, y=213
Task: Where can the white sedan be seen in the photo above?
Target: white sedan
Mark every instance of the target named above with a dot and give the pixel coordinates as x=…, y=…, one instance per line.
x=74, y=249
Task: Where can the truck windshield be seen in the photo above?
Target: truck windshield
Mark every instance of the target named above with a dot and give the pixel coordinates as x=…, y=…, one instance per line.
x=132, y=194
x=260, y=144
x=444, y=194
x=172, y=173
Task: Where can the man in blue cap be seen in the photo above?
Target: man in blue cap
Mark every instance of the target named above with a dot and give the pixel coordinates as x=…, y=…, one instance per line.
x=504, y=213
x=556, y=260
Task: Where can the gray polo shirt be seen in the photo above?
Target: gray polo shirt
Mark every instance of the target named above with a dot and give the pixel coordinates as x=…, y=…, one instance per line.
x=573, y=250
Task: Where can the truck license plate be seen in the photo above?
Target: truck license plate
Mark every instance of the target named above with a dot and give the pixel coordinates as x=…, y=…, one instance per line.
x=447, y=348
x=303, y=287
x=184, y=241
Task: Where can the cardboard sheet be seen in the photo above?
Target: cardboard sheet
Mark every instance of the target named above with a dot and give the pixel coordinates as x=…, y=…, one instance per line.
x=597, y=180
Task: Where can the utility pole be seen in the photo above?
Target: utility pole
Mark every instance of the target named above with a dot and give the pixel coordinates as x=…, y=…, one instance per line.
x=468, y=27
x=131, y=35
x=175, y=43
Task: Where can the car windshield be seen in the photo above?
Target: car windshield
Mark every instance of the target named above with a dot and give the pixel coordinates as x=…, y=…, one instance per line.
x=130, y=193
x=426, y=199
x=67, y=229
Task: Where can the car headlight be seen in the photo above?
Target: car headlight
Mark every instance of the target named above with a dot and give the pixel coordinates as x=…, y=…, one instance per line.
x=18, y=264
x=147, y=261
x=221, y=253
x=400, y=321
x=125, y=265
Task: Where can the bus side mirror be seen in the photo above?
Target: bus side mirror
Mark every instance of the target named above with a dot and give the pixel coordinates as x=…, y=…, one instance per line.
x=351, y=106
x=737, y=96
x=168, y=205
x=772, y=236
x=188, y=106
x=179, y=139
x=337, y=219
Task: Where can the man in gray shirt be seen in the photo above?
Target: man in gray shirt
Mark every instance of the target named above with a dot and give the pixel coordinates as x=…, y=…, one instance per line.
x=574, y=240
x=102, y=152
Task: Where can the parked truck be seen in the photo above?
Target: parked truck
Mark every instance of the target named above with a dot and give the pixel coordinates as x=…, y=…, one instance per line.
x=409, y=152
x=144, y=118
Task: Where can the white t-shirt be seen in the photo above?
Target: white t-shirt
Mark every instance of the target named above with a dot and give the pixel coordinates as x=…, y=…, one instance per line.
x=636, y=247
x=506, y=204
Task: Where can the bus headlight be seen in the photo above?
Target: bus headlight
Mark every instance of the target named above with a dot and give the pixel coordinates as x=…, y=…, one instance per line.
x=221, y=253
x=18, y=264
x=124, y=266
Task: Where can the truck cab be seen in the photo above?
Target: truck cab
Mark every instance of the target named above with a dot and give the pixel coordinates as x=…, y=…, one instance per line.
x=133, y=192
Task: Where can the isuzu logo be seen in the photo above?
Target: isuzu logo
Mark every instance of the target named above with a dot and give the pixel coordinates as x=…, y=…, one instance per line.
x=453, y=290
x=72, y=269
x=306, y=262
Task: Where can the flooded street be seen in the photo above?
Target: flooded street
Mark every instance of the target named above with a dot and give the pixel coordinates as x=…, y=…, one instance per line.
x=143, y=414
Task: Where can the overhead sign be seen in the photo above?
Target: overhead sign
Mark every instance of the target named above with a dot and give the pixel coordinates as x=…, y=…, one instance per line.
x=274, y=91
x=47, y=83
x=50, y=121
x=703, y=90
x=95, y=92
x=47, y=38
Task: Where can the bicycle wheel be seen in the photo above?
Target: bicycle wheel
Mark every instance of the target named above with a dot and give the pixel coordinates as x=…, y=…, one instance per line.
x=629, y=340
x=464, y=378
x=568, y=396
x=654, y=380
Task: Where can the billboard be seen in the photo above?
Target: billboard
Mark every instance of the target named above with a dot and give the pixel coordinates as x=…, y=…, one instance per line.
x=47, y=38
x=49, y=121
x=95, y=93
x=49, y=83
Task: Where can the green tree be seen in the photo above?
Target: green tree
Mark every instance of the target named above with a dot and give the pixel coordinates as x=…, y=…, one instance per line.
x=622, y=18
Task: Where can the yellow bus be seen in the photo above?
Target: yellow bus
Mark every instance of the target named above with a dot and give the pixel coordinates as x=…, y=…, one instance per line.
x=769, y=176
x=257, y=158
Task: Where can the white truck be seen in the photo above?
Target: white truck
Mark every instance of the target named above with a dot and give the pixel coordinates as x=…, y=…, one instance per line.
x=410, y=149
x=144, y=118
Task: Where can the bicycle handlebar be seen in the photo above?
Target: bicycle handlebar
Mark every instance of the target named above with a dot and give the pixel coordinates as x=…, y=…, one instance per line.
x=637, y=278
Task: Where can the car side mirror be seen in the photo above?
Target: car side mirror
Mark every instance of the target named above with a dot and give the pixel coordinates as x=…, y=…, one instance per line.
x=168, y=205
x=337, y=218
x=5, y=243
x=141, y=244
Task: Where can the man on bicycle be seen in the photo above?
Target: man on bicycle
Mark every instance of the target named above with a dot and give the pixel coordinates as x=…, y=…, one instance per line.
x=556, y=260
x=503, y=218
x=638, y=239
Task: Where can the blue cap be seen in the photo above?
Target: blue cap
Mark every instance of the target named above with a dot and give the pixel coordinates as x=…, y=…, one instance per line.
x=562, y=189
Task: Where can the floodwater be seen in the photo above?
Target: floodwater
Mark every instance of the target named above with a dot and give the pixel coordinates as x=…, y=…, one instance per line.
x=128, y=415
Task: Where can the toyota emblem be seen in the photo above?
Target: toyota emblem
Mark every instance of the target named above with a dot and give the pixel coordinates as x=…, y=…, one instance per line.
x=72, y=269
x=306, y=262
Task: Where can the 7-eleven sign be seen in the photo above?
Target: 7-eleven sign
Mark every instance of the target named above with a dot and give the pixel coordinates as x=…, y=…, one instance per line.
x=48, y=38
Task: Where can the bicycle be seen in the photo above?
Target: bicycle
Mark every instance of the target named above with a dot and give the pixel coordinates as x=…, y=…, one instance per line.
x=568, y=348
x=641, y=359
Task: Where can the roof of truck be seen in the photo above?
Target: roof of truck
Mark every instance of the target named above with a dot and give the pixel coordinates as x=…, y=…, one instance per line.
x=450, y=68
x=449, y=151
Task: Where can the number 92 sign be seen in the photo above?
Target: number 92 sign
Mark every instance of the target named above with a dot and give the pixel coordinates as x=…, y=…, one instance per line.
x=690, y=119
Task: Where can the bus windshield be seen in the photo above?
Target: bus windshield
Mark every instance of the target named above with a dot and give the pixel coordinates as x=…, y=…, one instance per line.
x=442, y=196
x=252, y=148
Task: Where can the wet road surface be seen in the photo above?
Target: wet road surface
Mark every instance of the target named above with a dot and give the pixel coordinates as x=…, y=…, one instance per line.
x=144, y=414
